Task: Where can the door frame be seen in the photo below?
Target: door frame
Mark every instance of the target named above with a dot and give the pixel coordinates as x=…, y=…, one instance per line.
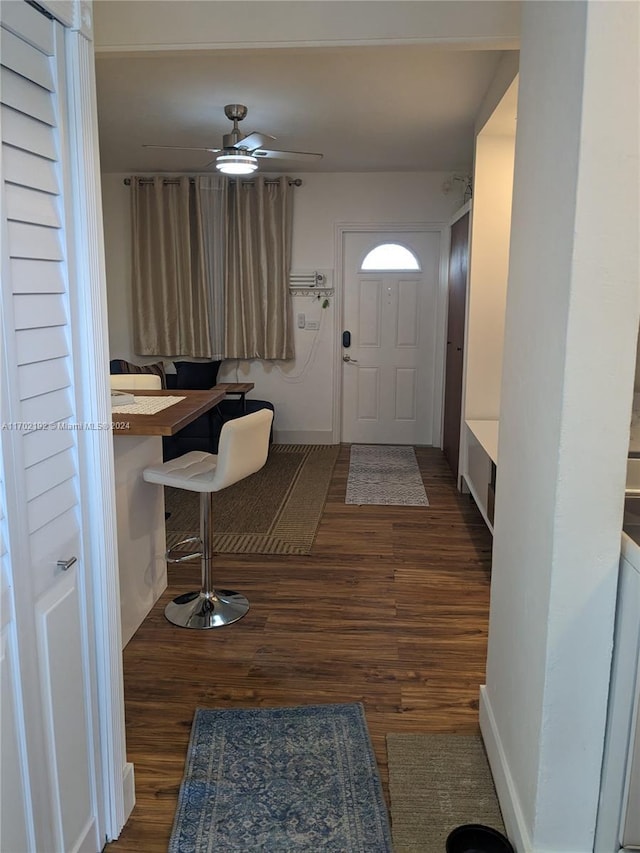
x=467, y=207
x=113, y=775
x=88, y=313
x=341, y=230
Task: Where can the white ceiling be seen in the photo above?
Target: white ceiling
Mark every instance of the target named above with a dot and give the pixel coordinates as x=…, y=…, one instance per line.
x=374, y=85
x=390, y=107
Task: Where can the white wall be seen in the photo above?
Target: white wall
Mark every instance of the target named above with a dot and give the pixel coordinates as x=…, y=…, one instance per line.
x=153, y=25
x=488, y=270
x=302, y=391
x=569, y=355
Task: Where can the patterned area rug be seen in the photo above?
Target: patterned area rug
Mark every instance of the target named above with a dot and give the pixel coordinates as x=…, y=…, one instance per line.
x=385, y=475
x=275, y=511
x=281, y=779
x=436, y=783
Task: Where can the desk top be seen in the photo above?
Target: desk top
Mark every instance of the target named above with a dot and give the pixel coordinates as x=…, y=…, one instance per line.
x=234, y=387
x=171, y=420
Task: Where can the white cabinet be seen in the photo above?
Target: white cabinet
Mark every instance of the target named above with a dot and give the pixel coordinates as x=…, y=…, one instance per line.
x=619, y=807
x=480, y=464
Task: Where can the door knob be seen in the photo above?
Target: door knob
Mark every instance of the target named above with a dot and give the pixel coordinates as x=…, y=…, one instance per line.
x=66, y=564
x=348, y=358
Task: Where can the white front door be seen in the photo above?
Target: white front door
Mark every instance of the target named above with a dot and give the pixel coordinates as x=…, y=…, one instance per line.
x=388, y=371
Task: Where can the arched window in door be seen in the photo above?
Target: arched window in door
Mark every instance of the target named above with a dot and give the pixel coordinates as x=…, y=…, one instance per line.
x=390, y=256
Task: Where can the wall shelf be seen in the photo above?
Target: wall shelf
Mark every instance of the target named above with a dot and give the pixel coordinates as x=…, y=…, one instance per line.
x=311, y=291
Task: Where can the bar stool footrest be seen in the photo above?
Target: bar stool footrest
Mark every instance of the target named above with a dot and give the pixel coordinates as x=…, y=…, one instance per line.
x=168, y=555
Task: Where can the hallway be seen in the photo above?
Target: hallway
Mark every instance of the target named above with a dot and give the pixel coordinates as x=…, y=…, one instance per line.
x=390, y=609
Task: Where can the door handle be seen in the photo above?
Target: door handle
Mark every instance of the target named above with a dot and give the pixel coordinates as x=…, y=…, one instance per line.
x=66, y=564
x=348, y=358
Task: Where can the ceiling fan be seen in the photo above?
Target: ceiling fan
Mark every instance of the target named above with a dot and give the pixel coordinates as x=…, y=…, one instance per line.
x=239, y=153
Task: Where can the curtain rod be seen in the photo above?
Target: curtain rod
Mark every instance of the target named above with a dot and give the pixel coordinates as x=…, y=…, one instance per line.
x=295, y=182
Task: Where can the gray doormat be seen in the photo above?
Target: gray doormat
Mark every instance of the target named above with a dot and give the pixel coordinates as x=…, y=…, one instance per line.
x=436, y=783
x=385, y=475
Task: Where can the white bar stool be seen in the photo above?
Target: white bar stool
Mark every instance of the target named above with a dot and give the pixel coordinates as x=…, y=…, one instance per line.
x=243, y=449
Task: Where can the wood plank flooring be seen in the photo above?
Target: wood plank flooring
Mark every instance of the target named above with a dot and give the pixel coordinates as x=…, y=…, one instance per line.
x=390, y=609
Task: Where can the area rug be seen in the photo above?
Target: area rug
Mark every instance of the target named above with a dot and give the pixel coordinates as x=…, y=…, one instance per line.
x=281, y=780
x=274, y=511
x=384, y=474
x=436, y=783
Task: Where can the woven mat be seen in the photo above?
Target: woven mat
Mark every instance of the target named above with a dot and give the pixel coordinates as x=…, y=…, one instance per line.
x=384, y=475
x=275, y=511
x=436, y=783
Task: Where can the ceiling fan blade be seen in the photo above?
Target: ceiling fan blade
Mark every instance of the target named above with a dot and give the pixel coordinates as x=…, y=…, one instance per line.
x=183, y=148
x=254, y=140
x=287, y=155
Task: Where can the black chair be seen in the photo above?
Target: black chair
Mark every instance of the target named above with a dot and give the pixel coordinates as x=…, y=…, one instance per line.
x=204, y=433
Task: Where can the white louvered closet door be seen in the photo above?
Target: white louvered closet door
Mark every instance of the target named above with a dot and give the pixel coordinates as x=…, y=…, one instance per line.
x=49, y=798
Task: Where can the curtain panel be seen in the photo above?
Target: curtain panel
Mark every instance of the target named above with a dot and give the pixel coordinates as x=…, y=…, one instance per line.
x=169, y=285
x=258, y=312
x=211, y=198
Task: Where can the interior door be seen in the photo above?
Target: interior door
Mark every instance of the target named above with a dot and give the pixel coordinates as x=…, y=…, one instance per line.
x=389, y=364
x=50, y=801
x=457, y=295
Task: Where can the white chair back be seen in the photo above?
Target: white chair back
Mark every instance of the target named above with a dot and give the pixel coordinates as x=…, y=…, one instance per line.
x=242, y=449
x=135, y=381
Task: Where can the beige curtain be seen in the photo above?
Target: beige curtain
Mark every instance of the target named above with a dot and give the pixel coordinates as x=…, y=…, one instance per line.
x=211, y=200
x=170, y=310
x=258, y=258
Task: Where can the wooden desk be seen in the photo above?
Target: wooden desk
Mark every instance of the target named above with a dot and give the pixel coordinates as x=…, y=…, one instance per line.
x=140, y=505
x=241, y=389
x=171, y=420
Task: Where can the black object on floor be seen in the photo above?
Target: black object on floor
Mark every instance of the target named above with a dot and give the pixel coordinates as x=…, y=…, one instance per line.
x=475, y=838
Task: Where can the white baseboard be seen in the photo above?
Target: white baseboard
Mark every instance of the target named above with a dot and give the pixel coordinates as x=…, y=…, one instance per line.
x=303, y=436
x=514, y=822
x=129, y=789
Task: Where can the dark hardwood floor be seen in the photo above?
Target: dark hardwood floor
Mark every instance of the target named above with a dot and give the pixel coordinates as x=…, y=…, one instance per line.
x=390, y=609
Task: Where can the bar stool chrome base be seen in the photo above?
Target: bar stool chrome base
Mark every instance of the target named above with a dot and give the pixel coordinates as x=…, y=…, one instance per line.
x=206, y=610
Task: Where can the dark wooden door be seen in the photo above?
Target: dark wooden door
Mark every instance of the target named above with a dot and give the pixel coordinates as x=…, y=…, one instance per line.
x=458, y=265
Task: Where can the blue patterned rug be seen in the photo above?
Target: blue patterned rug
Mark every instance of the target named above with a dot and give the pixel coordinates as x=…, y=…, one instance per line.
x=279, y=780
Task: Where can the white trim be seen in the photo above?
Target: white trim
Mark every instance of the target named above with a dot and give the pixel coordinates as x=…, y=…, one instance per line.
x=460, y=212
x=342, y=228
x=129, y=788
x=454, y=43
x=95, y=448
x=512, y=815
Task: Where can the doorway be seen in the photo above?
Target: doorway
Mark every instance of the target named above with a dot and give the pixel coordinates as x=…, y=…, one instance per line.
x=390, y=309
x=458, y=270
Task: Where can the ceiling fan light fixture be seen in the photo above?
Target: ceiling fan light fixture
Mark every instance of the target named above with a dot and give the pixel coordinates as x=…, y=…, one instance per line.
x=236, y=164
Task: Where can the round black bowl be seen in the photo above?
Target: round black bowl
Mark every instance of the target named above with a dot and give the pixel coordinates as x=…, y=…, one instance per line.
x=475, y=838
